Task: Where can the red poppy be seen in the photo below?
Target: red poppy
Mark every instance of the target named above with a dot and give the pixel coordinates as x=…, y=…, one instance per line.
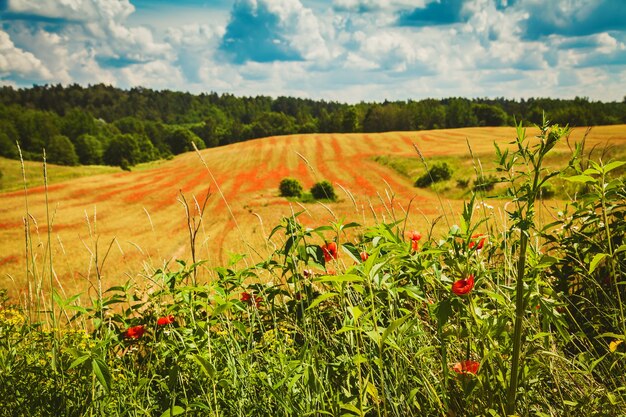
x=364, y=256
x=163, y=321
x=415, y=246
x=463, y=286
x=134, y=332
x=248, y=298
x=477, y=245
x=415, y=235
x=466, y=367
x=330, y=251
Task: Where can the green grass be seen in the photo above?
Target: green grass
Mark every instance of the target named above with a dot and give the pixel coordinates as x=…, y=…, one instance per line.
x=12, y=178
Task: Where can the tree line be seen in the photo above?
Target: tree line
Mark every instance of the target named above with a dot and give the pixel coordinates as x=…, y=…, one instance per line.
x=101, y=124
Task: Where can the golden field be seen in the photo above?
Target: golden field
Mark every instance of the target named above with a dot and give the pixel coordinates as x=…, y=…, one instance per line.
x=137, y=217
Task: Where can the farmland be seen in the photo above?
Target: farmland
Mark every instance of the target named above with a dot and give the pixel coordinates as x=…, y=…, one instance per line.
x=139, y=216
x=445, y=300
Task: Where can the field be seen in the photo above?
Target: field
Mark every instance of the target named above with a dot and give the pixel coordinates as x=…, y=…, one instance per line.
x=139, y=214
x=443, y=301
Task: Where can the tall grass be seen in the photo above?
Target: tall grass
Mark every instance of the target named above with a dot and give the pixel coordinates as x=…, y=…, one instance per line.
x=488, y=318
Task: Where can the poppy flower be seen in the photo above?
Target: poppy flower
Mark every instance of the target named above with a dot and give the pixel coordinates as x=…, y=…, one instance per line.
x=330, y=251
x=477, y=244
x=163, y=321
x=463, y=286
x=135, y=332
x=364, y=255
x=415, y=245
x=415, y=235
x=248, y=298
x=466, y=367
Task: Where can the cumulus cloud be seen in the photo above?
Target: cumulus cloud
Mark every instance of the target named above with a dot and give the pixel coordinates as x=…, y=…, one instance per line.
x=268, y=31
x=572, y=17
x=14, y=60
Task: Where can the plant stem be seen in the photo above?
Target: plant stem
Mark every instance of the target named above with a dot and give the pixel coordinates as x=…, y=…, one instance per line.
x=517, y=332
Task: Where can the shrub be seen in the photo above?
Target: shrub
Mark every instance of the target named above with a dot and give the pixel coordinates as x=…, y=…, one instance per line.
x=438, y=172
x=485, y=183
x=323, y=190
x=290, y=187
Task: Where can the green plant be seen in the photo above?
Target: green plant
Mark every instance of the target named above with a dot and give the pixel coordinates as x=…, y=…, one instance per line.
x=290, y=187
x=438, y=172
x=323, y=190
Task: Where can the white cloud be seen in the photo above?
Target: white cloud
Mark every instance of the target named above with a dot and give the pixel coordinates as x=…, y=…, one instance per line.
x=14, y=60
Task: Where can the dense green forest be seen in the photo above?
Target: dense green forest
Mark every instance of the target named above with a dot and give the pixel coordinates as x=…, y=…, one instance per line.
x=102, y=124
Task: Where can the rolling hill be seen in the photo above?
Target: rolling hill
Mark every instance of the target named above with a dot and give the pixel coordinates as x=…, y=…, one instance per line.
x=134, y=222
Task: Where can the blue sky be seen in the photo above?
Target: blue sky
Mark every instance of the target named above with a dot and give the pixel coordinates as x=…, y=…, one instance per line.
x=343, y=50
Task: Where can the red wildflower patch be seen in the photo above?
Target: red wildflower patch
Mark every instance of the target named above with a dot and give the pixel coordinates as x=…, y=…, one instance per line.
x=330, y=251
x=364, y=255
x=466, y=367
x=463, y=286
x=164, y=321
x=135, y=332
x=478, y=241
x=250, y=299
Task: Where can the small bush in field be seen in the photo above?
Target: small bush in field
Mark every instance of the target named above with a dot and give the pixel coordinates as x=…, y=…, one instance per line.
x=436, y=173
x=290, y=187
x=323, y=190
x=485, y=183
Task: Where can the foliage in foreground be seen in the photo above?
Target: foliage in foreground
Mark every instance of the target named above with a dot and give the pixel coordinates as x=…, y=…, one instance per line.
x=389, y=323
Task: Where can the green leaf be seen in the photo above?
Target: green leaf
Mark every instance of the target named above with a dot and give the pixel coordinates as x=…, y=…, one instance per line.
x=620, y=249
x=393, y=326
x=102, y=373
x=173, y=411
x=596, y=260
x=207, y=367
x=78, y=361
x=321, y=298
x=580, y=178
x=613, y=165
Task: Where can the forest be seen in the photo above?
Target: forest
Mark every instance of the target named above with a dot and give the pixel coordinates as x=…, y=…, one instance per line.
x=101, y=124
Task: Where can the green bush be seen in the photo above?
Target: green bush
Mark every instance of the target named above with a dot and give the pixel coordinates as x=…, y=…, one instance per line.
x=323, y=190
x=290, y=187
x=485, y=183
x=438, y=172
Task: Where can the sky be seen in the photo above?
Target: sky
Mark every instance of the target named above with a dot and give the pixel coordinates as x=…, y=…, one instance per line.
x=339, y=50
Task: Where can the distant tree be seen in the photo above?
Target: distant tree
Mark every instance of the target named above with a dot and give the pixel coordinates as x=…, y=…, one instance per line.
x=8, y=149
x=323, y=190
x=179, y=140
x=60, y=150
x=122, y=148
x=290, y=187
x=489, y=115
x=89, y=150
x=77, y=122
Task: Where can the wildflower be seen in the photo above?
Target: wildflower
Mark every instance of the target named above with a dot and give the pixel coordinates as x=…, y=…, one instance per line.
x=463, y=286
x=330, y=251
x=415, y=237
x=477, y=244
x=466, y=367
x=134, y=332
x=249, y=299
x=364, y=256
x=163, y=321
x=614, y=344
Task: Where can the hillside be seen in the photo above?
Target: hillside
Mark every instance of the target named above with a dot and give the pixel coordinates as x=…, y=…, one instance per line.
x=139, y=216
